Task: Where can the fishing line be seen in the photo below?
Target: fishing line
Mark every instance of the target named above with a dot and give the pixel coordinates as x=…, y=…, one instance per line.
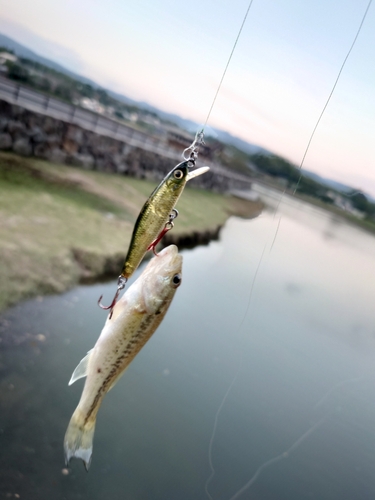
x=293, y=447
x=192, y=151
x=278, y=458
x=337, y=386
x=226, y=67
x=276, y=233
x=299, y=441
x=321, y=115
x=306, y=434
x=231, y=384
x=330, y=95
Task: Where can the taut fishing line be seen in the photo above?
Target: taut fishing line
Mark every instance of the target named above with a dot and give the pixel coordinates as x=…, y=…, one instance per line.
x=199, y=137
x=226, y=67
x=330, y=94
x=192, y=150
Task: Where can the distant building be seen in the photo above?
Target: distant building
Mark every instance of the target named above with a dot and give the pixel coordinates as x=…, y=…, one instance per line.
x=344, y=203
x=6, y=56
x=92, y=105
x=338, y=200
x=150, y=119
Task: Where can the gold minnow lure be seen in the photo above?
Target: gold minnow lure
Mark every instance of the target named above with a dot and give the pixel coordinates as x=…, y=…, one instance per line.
x=136, y=316
x=154, y=220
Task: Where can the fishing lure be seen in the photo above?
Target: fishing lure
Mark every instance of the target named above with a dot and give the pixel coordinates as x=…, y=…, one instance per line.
x=156, y=218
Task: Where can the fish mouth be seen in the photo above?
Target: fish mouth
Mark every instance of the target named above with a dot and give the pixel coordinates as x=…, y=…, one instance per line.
x=169, y=260
x=159, y=277
x=164, y=266
x=169, y=250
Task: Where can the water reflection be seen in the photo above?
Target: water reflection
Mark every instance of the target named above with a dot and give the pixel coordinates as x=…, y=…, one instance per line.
x=301, y=337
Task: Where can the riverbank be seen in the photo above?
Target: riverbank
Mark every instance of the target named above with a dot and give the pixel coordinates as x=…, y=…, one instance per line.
x=61, y=226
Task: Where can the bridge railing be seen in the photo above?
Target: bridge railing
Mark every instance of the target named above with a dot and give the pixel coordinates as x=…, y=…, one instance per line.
x=45, y=104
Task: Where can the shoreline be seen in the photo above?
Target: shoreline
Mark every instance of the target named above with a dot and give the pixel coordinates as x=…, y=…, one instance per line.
x=112, y=263
x=94, y=267
x=62, y=226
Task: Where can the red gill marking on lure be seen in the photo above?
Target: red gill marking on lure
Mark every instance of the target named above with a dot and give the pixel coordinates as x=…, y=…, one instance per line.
x=153, y=245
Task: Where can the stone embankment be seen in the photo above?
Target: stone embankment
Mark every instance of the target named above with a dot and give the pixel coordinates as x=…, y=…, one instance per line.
x=29, y=133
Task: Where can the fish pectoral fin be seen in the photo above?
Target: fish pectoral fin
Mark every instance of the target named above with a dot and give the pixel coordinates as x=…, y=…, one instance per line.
x=81, y=370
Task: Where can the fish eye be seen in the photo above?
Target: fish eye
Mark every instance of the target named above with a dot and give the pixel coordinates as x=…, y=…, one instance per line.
x=176, y=280
x=178, y=174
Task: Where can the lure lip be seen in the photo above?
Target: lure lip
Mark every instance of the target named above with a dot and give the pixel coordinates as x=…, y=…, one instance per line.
x=196, y=172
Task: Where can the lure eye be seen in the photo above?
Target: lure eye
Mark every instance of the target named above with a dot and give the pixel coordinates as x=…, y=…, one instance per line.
x=178, y=174
x=176, y=280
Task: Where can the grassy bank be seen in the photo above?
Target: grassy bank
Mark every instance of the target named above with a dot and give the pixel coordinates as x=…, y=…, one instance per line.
x=61, y=225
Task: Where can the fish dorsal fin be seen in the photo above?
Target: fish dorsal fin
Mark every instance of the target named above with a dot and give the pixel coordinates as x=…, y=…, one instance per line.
x=81, y=370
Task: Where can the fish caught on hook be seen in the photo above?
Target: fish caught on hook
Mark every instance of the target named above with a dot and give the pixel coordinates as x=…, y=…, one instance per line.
x=135, y=318
x=156, y=218
x=121, y=282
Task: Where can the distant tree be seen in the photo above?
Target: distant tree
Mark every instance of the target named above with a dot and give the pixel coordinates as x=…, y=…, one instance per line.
x=64, y=92
x=150, y=113
x=5, y=49
x=276, y=166
x=86, y=90
x=233, y=158
x=327, y=199
x=44, y=84
x=103, y=97
x=371, y=209
x=118, y=114
x=18, y=72
x=359, y=201
x=29, y=62
x=313, y=188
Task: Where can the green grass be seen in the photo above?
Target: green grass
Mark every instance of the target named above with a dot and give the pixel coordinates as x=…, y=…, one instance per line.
x=59, y=224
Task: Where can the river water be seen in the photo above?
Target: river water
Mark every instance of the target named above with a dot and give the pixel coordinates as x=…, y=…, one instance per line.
x=264, y=367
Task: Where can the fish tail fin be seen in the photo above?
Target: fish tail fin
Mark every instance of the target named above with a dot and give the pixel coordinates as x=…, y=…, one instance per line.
x=78, y=439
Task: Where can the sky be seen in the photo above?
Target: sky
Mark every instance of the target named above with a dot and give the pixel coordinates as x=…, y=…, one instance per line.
x=172, y=54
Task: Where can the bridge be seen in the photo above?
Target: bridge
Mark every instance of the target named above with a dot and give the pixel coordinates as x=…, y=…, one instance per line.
x=27, y=98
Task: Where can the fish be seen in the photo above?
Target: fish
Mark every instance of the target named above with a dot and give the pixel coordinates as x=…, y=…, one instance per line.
x=135, y=318
x=155, y=214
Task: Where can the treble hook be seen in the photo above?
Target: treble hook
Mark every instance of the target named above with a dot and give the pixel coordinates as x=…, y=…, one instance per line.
x=121, y=282
x=168, y=226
